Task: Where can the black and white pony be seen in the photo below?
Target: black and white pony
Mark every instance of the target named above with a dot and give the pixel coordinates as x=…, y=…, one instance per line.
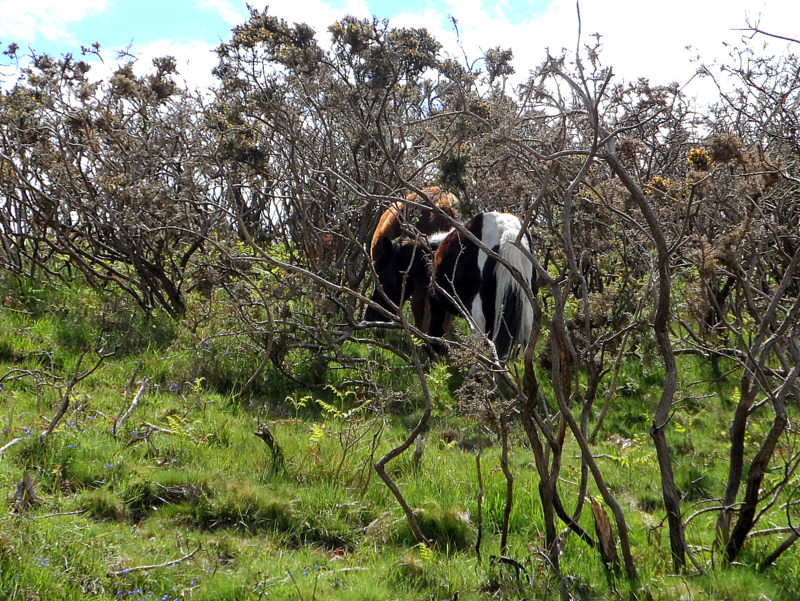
x=451, y=275
x=471, y=283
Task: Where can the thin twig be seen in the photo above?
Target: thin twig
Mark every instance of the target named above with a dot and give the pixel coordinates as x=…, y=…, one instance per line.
x=135, y=403
x=756, y=30
x=128, y=390
x=6, y=446
x=296, y=586
x=55, y=515
x=266, y=435
x=158, y=565
x=158, y=429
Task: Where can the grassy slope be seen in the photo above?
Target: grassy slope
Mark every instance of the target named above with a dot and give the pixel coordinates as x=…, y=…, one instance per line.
x=187, y=475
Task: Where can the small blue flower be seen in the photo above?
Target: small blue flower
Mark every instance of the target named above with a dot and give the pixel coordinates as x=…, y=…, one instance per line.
x=109, y=465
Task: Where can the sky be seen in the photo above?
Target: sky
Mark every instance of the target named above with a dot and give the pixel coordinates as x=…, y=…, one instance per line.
x=656, y=40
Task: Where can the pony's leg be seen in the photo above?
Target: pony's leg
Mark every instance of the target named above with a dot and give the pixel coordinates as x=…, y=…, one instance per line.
x=447, y=322
x=440, y=322
x=421, y=306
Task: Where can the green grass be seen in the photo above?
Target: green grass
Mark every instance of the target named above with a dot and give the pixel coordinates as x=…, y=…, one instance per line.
x=187, y=490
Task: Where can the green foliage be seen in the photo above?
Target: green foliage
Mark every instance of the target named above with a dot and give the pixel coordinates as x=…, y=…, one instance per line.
x=448, y=528
x=102, y=505
x=454, y=169
x=245, y=507
x=739, y=584
x=71, y=318
x=202, y=468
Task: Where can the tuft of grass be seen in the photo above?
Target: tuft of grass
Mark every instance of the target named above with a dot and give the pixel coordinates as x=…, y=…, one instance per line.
x=736, y=584
x=244, y=506
x=448, y=529
x=440, y=576
x=694, y=484
x=410, y=567
x=223, y=589
x=649, y=501
x=142, y=497
x=102, y=504
x=10, y=351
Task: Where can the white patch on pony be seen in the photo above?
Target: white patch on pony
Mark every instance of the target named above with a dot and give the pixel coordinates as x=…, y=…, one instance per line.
x=501, y=230
x=436, y=239
x=478, y=316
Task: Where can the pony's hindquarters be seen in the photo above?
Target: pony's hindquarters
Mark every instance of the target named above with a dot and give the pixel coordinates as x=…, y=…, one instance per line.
x=476, y=284
x=513, y=311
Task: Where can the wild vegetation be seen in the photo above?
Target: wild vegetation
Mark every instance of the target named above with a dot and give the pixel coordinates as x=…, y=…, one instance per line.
x=195, y=408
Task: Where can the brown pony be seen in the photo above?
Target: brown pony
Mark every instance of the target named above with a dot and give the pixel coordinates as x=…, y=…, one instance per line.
x=403, y=266
x=425, y=221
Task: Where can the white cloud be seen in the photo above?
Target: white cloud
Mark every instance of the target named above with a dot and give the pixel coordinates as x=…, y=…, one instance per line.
x=317, y=13
x=25, y=20
x=655, y=41
x=195, y=59
x=639, y=39
x=231, y=11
